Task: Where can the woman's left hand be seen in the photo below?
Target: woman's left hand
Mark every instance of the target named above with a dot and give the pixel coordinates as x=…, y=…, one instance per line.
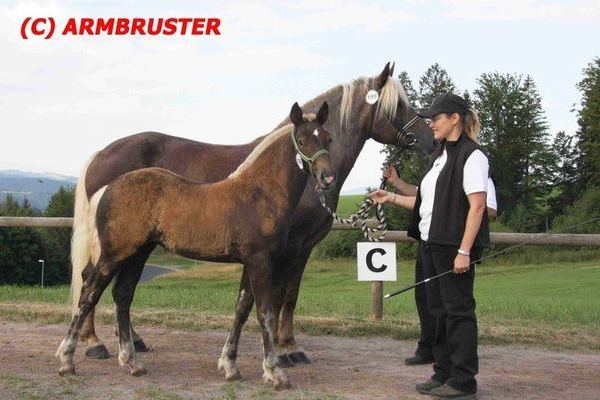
x=381, y=196
x=461, y=264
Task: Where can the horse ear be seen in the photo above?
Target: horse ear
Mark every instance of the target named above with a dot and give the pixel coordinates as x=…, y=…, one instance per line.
x=382, y=78
x=392, y=69
x=323, y=113
x=296, y=114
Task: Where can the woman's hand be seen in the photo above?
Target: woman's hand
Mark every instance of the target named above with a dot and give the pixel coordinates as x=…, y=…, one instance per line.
x=381, y=196
x=461, y=264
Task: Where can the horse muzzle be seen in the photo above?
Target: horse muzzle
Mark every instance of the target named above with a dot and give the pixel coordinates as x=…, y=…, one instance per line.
x=325, y=180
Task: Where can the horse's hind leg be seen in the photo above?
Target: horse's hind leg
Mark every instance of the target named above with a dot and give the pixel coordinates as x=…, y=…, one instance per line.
x=95, y=280
x=122, y=295
x=94, y=346
x=123, y=290
x=230, y=350
x=280, y=278
x=285, y=335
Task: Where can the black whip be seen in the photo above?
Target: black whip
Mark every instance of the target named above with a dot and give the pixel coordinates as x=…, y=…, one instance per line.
x=387, y=296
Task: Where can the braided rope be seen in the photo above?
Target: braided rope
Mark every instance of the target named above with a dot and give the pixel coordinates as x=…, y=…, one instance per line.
x=361, y=215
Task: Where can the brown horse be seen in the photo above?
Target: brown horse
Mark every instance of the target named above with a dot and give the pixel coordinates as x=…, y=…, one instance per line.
x=352, y=122
x=244, y=218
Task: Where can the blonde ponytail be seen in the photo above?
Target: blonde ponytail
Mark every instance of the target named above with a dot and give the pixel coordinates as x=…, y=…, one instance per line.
x=471, y=125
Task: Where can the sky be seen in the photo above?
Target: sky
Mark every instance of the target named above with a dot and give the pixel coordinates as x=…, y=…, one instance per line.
x=65, y=98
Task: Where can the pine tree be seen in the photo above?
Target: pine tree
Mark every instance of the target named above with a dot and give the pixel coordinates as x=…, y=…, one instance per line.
x=515, y=134
x=411, y=93
x=588, y=134
x=21, y=248
x=434, y=81
x=563, y=174
x=62, y=202
x=59, y=239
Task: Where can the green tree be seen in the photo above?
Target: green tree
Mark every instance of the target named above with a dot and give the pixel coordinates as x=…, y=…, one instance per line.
x=59, y=239
x=585, y=208
x=434, y=81
x=21, y=248
x=563, y=174
x=588, y=134
x=515, y=134
x=411, y=93
x=61, y=203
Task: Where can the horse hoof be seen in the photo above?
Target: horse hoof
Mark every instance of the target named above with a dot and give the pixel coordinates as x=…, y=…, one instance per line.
x=66, y=371
x=285, y=361
x=233, y=377
x=139, y=371
x=277, y=378
x=99, y=352
x=140, y=346
x=282, y=384
x=299, y=358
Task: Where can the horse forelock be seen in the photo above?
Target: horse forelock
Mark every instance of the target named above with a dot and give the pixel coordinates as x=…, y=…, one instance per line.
x=386, y=105
x=388, y=100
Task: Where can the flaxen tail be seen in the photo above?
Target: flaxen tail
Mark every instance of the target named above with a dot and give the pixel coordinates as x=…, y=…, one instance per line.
x=84, y=224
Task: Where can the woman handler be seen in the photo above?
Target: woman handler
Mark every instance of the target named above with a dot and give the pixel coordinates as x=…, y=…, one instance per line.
x=424, y=351
x=450, y=221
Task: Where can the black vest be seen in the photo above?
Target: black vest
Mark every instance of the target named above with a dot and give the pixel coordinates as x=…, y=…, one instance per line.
x=450, y=205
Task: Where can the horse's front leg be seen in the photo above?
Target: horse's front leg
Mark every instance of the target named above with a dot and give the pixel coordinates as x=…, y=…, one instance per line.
x=228, y=358
x=286, y=339
x=260, y=275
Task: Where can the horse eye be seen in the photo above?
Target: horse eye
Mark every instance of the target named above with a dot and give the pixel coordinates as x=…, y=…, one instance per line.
x=301, y=142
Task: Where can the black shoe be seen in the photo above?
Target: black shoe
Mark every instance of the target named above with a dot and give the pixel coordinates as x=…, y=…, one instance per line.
x=427, y=387
x=418, y=359
x=448, y=392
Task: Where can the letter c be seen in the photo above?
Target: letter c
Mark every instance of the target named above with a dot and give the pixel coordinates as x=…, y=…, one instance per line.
x=370, y=260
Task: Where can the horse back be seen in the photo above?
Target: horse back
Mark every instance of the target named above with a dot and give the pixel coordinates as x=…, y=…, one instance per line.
x=191, y=159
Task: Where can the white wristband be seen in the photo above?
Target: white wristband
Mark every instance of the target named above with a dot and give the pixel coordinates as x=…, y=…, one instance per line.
x=464, y=252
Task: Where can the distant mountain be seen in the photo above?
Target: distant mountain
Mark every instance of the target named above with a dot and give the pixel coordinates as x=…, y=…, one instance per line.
x=38, y=187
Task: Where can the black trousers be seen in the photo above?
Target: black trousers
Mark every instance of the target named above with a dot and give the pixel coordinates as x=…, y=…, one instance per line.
x=450, y=300
x=426, y=320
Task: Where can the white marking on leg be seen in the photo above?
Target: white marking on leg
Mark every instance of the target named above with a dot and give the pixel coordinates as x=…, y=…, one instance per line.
x=227, y=363
x=271, y=372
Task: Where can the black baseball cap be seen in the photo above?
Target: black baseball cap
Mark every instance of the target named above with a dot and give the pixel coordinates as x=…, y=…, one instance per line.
x=446, y=103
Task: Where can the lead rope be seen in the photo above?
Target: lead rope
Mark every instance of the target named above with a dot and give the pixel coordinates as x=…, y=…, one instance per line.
x=376, y=234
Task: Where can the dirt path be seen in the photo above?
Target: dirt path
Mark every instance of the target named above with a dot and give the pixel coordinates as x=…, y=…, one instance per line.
x=183, y=365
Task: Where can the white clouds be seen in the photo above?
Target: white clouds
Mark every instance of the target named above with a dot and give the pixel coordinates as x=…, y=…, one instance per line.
x=300, y=18
x=505, y=10
x=64, y=98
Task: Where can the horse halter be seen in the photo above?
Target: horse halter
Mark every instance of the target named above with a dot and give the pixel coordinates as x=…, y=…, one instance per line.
x=404, y=137
x=306, y=160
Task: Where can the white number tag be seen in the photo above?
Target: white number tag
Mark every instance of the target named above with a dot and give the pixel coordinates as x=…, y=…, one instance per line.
x=372, y=96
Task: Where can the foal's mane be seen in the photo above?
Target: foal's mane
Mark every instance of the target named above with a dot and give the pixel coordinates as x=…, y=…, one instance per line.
x=265, y=143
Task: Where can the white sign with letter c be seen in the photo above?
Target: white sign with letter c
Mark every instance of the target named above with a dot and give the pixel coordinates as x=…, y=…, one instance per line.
x=376, y=261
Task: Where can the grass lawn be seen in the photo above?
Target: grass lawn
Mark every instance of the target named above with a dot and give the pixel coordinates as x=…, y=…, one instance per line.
x=552, y=304
x=349, y=204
